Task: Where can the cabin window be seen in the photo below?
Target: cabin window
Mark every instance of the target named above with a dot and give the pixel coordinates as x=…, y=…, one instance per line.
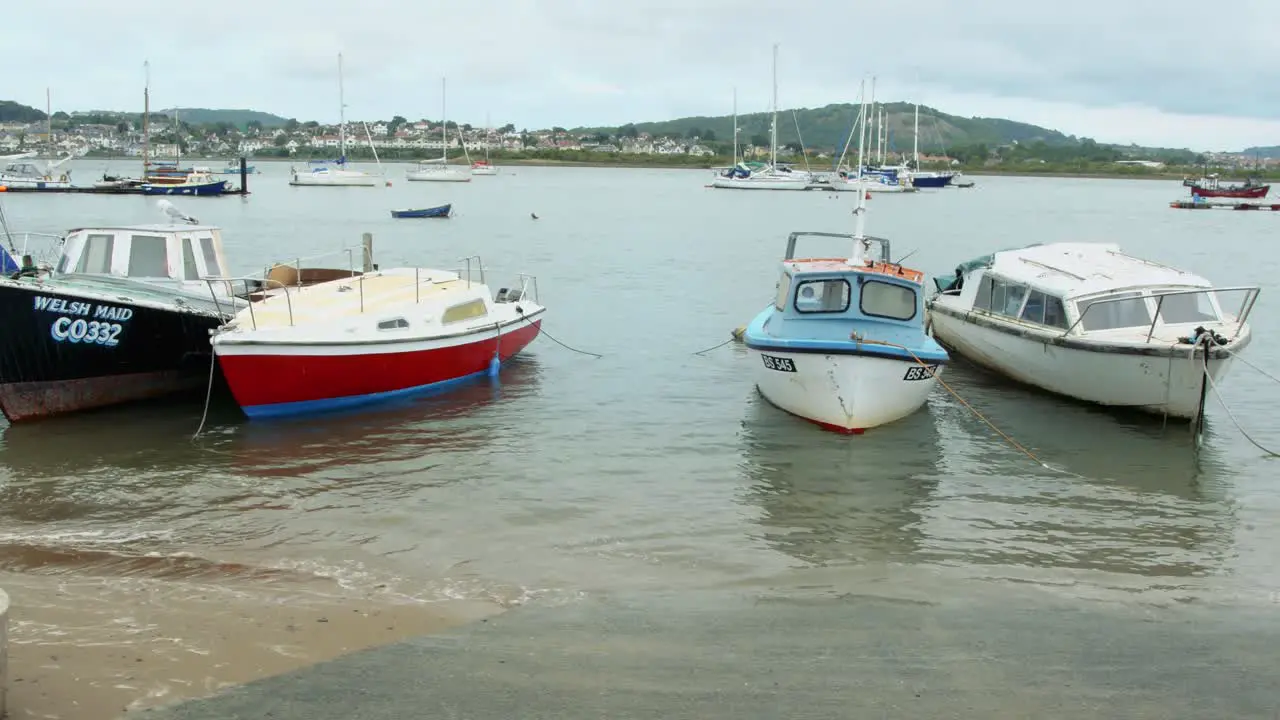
x=465, y=311
x=784, y=288
x=823, y=296
x=1130, y=310
x=1043, y=309
x=189, y=269
x=999, y=296
x=148, y=256
x=982, y=298
x=396, y=324
x=96, y=256
x=1186, y=308
x=888, y=300
x=210, y=253
x=1010, y=296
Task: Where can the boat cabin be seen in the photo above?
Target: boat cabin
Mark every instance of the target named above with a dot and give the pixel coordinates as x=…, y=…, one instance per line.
x=812, y=290
x=1085, y=289
x=177, y=254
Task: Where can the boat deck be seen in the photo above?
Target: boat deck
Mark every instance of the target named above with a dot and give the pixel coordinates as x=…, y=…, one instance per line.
x=108, y=288
x=350, y=297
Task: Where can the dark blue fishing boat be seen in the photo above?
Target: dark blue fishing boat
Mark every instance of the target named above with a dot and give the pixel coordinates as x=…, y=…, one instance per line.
x=442, y=211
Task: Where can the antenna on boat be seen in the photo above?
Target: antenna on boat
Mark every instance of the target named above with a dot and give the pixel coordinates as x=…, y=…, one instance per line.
x=860, y=243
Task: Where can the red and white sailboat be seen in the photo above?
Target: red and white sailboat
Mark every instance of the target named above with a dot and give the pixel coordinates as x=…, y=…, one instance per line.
x=371, y=337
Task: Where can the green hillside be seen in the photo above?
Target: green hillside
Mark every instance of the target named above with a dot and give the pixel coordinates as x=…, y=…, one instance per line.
x=12, y=112
x=826, y=128
x=238, y=118
x=1266, y=151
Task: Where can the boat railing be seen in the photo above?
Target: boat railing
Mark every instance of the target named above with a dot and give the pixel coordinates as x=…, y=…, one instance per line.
x=795, y=236
x=366, y=256
x=479, y=265
x=525, y=280
x=1246, y=305
x=251, y=284
x=43, y=248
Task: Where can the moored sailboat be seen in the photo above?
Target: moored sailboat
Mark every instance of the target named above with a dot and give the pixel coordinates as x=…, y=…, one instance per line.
x=757, y=176
x=372, y=338
x=339, y=175
x=439, y=170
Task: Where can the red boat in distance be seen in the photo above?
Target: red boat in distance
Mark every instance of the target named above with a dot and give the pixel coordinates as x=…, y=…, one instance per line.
x=1210, y=187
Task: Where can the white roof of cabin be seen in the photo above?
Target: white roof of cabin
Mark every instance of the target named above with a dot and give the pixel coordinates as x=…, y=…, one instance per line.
x=1071, y=270
x=154, y=228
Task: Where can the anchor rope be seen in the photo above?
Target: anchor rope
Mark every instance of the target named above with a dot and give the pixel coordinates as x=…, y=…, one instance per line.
x=716, y=347
x=1007, y=438
x=542, y=330
x=208, y=394
x=1208, y=376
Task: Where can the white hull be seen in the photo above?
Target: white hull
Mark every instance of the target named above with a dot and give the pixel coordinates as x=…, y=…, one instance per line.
x=760, y=183
x=484, y=171
x=334, y=178
x=437, y=176
x=843, y=392
x=25, y=182
x=1146, y=382
x=842, y=185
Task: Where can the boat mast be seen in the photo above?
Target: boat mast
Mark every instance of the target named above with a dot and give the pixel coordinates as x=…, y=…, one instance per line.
x=488, y=130
x=880, y=135
x=342, y=118
x=735, y=126
x=871, y=116
x=444, y=128
x=146, y=119
x=915, y=142
x=48, y=116
x=773, y=130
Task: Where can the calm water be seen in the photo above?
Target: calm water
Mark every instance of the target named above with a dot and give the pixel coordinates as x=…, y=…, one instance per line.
x=653, y=468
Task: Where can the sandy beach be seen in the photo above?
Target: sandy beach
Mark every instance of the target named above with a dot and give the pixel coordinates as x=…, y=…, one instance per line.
x=94, y=648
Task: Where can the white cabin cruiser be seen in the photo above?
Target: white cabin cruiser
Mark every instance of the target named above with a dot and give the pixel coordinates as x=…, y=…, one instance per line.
x=24, y=171
x=1087, y=321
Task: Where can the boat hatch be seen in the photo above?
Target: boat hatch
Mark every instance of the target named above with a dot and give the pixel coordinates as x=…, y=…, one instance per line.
x=465, y=311
x=178, y=253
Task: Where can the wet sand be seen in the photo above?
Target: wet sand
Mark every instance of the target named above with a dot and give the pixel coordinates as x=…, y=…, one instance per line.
x=747, y=655
x=94, y=648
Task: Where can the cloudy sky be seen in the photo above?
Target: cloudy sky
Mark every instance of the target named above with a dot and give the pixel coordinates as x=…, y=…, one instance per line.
x=1154, y=72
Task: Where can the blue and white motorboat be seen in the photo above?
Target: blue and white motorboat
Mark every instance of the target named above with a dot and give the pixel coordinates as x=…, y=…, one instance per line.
x=844, y=343
x=196, y=183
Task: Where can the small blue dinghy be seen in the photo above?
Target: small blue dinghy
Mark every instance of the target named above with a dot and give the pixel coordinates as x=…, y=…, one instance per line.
x=442, y=211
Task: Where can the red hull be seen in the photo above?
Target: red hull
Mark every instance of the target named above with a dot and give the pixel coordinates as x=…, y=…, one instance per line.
x=1257, y=191
x=278, y=384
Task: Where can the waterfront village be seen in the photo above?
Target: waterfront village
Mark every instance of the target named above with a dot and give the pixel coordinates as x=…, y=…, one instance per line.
x=223, y=139
x=118, y=134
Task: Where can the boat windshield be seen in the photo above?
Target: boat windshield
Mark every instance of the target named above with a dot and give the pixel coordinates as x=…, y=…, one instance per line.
x=1186, y=307
x=1120, y=310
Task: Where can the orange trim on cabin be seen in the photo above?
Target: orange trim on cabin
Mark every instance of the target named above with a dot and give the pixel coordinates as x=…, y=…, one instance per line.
x=882, y=268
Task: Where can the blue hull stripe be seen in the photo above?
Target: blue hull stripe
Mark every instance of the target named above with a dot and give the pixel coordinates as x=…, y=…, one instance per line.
x=887, y=352
x=304, y=407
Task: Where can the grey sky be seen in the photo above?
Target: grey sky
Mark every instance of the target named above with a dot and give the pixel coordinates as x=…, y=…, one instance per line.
x=1163, y=72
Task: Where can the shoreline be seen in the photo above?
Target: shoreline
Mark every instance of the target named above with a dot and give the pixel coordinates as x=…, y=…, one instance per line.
x=100, y=646
x=640, y=165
